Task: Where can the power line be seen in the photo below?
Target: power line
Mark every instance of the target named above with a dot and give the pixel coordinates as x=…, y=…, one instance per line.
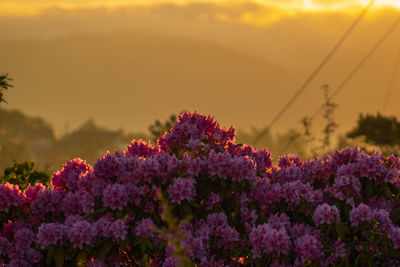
x=392, y=79
x=316, y=71
x=355, y=69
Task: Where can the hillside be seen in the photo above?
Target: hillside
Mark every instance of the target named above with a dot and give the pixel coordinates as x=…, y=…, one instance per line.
x=129, y=79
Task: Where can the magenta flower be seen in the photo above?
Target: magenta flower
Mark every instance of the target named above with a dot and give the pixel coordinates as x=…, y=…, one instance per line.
x=181, y=189
x=326, y=214
x=279, y=221
x=50, y=234
x=383, y=218
x=24, y=238
x=359, y=214
x=81, y=232
x=146, y=228
x=308, y=248
x=118, y=230
x=10, y=195
x=115, y=196
x=265, y=239
x=68, y=177
x=394, y=235
x=140, y=148
x=31, y=192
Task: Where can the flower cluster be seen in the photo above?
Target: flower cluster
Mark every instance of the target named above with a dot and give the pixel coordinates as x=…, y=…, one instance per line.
x=326, y=214
x=182, y=189
x=234, y=206
x=266, y=239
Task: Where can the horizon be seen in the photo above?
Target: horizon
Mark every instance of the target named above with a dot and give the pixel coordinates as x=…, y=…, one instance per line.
x=261, y=59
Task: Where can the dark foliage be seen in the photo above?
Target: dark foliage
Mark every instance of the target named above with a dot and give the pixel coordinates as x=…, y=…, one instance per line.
x=24, y=174
x=4, y=85
x=158, y=128
x=379, y=130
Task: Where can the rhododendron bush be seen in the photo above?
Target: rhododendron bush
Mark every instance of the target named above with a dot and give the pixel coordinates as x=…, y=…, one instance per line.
x=236, y=207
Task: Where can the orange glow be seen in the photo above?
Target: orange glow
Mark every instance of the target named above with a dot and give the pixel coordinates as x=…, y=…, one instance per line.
x=32, y=7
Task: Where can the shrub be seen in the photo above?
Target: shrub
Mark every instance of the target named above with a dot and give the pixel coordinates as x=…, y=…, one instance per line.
x=234, y=206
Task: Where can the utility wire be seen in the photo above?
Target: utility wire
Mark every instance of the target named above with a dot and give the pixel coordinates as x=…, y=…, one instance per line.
x=350, y=76
x=392, y=80
x=315, y=72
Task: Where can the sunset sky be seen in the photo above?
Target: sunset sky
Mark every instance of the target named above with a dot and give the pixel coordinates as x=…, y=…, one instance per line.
x=238, y=60
x=31, y=7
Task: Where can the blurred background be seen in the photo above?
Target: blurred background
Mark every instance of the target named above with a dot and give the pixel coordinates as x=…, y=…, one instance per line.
x=91, y=75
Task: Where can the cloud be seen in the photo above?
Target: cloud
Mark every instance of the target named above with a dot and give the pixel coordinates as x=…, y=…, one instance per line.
x=30, y=7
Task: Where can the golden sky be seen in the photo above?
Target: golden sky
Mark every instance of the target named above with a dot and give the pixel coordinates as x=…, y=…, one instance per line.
x=32, y=7
x=60, y=39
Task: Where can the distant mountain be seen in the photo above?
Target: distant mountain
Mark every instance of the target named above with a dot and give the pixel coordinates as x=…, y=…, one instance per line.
x=129, y=80
x=23, y=137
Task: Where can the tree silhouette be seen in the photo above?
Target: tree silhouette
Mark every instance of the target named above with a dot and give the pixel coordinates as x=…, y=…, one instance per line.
x=378, y=130
x=4, y=85
x=158, y=128
x=24, y=174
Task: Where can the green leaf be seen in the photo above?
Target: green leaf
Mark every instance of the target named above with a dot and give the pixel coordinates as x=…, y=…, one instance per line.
x=49, y=256
x=285, y=259
x=195, y=204
x=371, y=261
x=143, y=247
x=223, y=183
x=59, y=257
x=388, y=193
x=118, y=214
x=156, y=219
x=341, y=230
x=357, y=260
x=369, y=187
x=88, y=249
x=393, y=188
x=185, y=209
x=104, y=250
x=137, y=241
x=161, y=246
x=149, y=244
x=204, y=186
x=102, y=210
x=71, y=252
x=17, y=211
x=130, y=210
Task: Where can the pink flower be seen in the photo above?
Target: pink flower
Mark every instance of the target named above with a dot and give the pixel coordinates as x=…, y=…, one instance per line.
x=115, y=196
x=213, y=199
x=118, y=230
x=31, y=192
x=359, y=214
x=383, y=218
x=308, y=248
x=81, y=232
x=278, y=222
x=50, y=234
x=68, y=177
x=141, y=148
x=10, y=195
x=23, y=238
x=181, y=189
x=146, y=228
x=265, y=239
x=394, y=235
x=326, y=214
